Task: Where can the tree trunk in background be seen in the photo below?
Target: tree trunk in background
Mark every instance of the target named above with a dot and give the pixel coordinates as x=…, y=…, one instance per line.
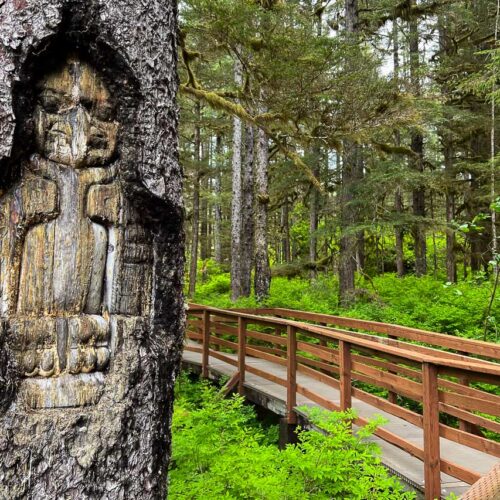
x=195, y=219
x=314, y=212
x=417, y=146
x=399, y=234
x=218, y=201
x=247, y=207
x=316, y=170
x=204, y=229
x=195, y=225
x=285, y=234
x=448, y=153
x=86, y=403
x=475, y=203
x=451, y=265
x=262, y=280
x=347, y=262
x=350, y=174
x=398, y=196
x=236, y=205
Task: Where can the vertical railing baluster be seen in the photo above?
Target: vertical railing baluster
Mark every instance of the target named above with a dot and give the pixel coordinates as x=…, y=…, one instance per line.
x=206, y=343
x=432, y=465
x=345, y=375
x=463, y=425
x=291, y=386
x=392, y=396
x=242, y=334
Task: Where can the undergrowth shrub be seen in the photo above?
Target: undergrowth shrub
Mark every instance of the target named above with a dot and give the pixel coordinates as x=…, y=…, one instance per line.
x=426, y=302
x=221, y=451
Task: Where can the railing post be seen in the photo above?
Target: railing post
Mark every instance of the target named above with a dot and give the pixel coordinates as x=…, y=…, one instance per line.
x=206, y=343
x=291, y=386
x=345, y=375
x=242, y=333
x=432, y=465
x=322, y=342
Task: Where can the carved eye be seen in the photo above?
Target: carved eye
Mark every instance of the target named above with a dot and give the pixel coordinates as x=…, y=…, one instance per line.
x=50, y=103
x=104, y=113
x=87, y=104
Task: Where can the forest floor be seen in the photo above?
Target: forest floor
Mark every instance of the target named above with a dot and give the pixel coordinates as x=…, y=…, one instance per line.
x=429, y=303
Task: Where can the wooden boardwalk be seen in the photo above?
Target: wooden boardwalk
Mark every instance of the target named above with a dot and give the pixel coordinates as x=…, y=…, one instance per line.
x=410, y=469
x=266, y=381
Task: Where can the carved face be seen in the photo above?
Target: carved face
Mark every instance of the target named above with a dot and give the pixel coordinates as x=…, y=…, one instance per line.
x=73, y=117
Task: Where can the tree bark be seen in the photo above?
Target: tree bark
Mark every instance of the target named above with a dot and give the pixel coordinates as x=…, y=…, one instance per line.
x=285, y=233
x=351, y=168
x=204, y=226
x=218, y=201
x=417, y=146
x=398, y=196
x=247, y=209
x=236, y=205
x=314, y=211
x=347, y=262
x=262, y=279
x=195, y=221
x=86, y=403
x=451, y=265
x=399, y=235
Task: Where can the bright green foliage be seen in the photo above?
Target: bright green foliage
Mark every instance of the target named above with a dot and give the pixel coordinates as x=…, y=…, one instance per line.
x=220, y=451
x=426, y=302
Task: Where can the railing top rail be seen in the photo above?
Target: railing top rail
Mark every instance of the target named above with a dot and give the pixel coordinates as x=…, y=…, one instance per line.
x=471, y=346
x=476, y=366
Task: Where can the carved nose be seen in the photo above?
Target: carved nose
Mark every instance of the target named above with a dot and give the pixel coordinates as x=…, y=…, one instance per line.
x=79, y=120
x=80, y=126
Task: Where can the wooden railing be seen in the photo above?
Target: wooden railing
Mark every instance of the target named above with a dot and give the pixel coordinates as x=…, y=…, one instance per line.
x=429, y=381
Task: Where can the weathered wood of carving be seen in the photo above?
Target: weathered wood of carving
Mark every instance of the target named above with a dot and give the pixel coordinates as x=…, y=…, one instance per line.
x=75, y=262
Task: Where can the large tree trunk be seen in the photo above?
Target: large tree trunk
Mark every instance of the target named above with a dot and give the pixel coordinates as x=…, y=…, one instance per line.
x=236, y=206
x=351, y=173
x=90, y=342
x=247, y=209
x=347, y=262
x=262, y=279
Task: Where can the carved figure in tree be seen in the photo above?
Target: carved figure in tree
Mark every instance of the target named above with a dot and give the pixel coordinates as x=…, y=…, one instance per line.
x=69, y=237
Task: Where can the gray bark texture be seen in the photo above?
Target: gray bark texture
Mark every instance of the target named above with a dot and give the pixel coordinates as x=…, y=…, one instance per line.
x=218, y=202
x=247, y=211
x=352, y=173
x=262, y=279
x=114, y=441
x=417, y=146
x=193, y=267
x=236, y=204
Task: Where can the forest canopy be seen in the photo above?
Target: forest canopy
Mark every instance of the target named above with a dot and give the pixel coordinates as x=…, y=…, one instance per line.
x=352, y=137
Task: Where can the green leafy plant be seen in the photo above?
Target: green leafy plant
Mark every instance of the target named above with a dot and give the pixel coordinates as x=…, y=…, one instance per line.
x=220, y=450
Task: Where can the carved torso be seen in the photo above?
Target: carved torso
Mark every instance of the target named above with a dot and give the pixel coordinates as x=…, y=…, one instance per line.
x=75, y=261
